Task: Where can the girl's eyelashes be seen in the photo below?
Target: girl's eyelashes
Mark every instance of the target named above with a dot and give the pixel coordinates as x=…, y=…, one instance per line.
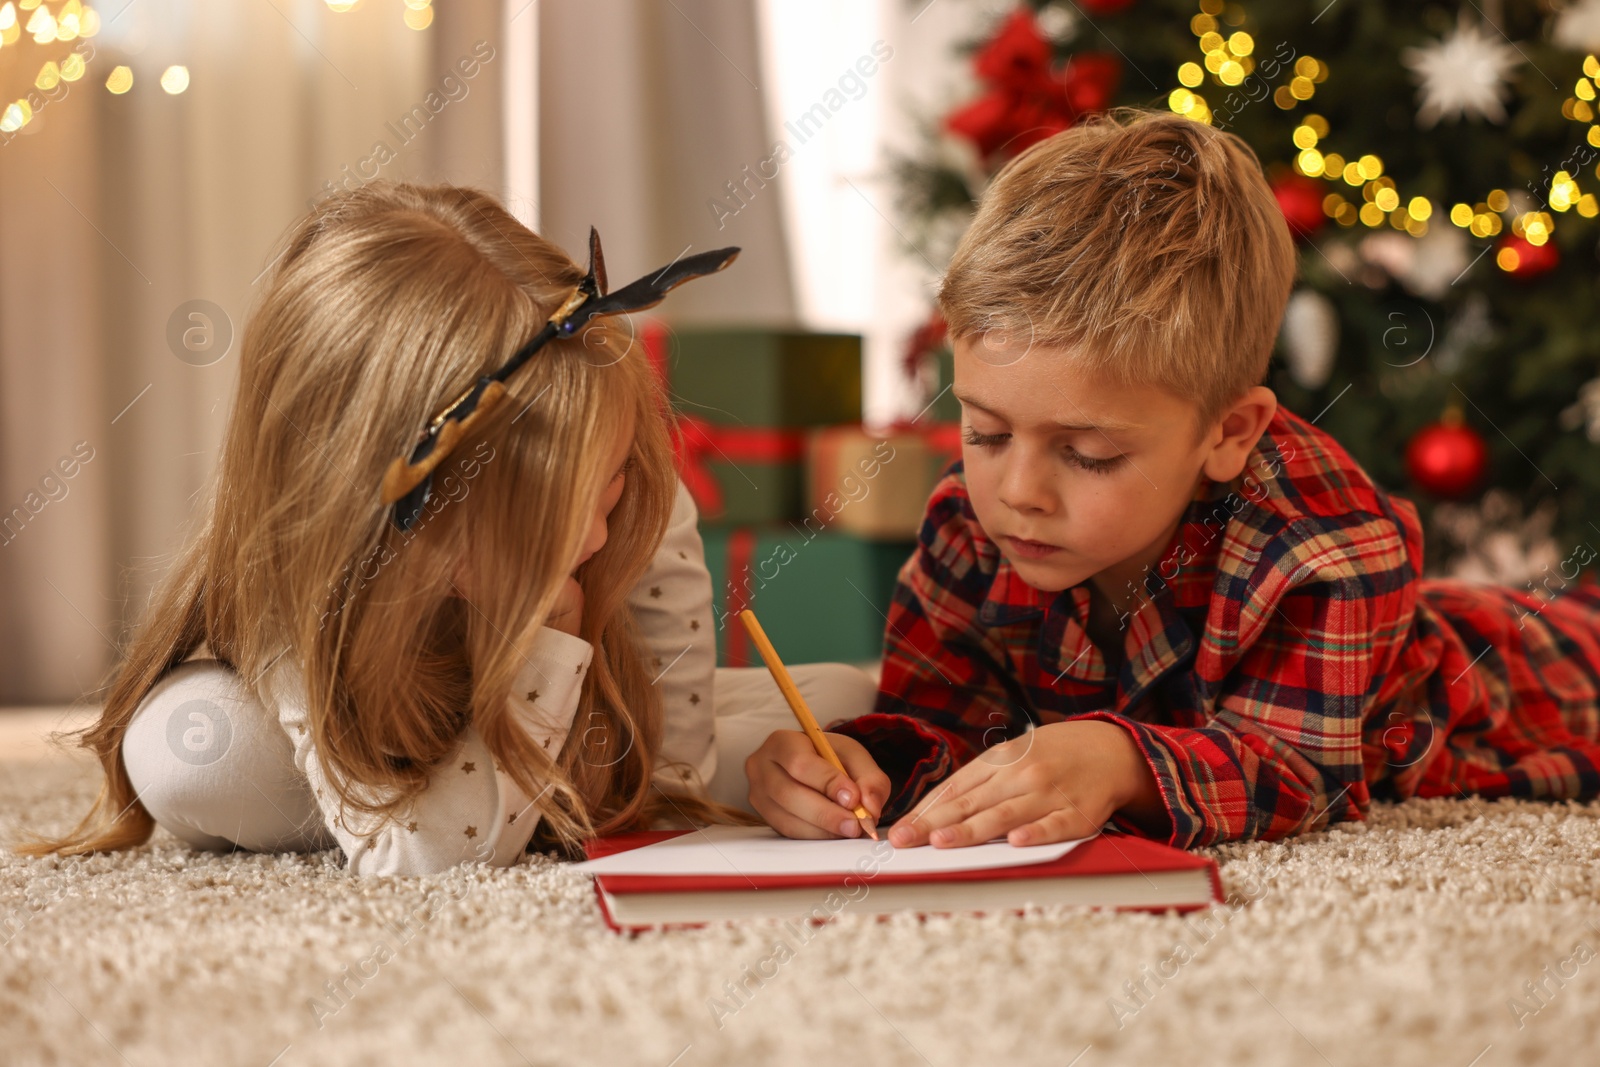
x=624, y=469
x=1076, y=458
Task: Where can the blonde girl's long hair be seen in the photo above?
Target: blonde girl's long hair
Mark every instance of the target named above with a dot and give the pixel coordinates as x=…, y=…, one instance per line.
x=386, y=303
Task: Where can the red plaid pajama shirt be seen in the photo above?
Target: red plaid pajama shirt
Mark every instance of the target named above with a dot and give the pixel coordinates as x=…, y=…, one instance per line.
x=1286, y=662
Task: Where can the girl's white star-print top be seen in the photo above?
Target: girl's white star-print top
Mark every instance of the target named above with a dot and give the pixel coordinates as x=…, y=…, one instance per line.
x=471, y=809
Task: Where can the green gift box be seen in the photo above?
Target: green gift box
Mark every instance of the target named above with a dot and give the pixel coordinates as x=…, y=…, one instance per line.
x=821, y=595
x=751, y=490
x=779, y=380
x=745, y=399
x=945, y=407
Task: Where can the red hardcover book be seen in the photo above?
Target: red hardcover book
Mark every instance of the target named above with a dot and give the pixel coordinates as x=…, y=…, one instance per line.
x=1108, y=871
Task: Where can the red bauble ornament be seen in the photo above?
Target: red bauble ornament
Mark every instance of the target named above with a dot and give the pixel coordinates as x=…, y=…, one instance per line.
x=1530, y=260
x=1300, y=200
x=1447, y=458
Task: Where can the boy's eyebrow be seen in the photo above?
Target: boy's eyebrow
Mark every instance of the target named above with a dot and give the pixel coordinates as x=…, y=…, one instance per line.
x=1105, y=425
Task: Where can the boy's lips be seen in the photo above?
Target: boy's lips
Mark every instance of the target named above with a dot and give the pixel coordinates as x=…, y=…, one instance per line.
x=1031, y=549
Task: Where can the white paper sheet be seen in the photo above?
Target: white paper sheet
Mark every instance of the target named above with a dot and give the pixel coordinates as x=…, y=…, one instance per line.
x=757, y=850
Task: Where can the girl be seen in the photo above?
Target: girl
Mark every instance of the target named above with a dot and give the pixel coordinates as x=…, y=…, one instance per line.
x=529, y=660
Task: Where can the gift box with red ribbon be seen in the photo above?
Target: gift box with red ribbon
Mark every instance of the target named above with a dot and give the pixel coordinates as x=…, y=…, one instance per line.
x=821, y=595
x=875, y=484
x=945, y=406
x=745, y=399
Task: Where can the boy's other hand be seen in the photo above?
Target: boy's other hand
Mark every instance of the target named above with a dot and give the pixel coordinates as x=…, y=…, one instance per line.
x=1055, y=783
x=800, y=794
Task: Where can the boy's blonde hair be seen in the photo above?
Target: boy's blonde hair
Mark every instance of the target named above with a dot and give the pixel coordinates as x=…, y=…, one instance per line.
x=1148, y=243
x=386, y=303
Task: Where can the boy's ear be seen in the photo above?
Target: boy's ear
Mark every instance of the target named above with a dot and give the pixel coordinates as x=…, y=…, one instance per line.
x=1237, y=432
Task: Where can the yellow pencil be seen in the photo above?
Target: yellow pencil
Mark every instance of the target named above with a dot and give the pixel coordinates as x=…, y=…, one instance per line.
x=797, y=704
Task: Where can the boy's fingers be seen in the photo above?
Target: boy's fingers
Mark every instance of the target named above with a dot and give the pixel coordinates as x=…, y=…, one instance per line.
x=769, y=802
x=801, y=801
x=953, y=810
x=791, y=826
x=910, y=829
x=875, y=789
x=773, y=791
x=1063, y=824
x=803, y=764
x=968, y=777
x=991, y=822
x=812, y=770
x=873, y=783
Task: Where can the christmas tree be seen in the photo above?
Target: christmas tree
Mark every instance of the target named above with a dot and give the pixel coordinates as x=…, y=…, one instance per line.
x=1438, y=168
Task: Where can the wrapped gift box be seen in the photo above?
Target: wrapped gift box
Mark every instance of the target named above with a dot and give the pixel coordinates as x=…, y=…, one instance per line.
x=875, y=485
x=745, y=399
x=741, y=476
x=820, y=595
x=945, y=408
x=775, y=379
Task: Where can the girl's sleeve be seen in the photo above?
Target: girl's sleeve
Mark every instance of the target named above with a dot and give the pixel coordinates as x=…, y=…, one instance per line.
x=672, y=605
x=471, y=810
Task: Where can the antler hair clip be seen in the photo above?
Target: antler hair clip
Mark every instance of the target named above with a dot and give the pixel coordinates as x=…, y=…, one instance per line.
x=407, y=483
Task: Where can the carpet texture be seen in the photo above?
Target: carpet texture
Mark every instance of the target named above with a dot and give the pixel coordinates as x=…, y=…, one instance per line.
x=1404, y=940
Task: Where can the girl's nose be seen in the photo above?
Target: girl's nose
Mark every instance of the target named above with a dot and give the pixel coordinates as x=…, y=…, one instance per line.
x=597, y=538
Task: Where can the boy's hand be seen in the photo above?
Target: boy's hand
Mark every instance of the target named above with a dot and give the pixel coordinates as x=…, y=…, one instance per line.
x=800, y=794
x=1054, y=783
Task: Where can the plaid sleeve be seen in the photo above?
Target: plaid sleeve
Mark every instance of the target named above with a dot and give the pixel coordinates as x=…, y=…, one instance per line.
x=947, y=691
x=1282, y=751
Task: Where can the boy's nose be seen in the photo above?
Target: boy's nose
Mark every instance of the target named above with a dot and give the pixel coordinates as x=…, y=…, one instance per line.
x=1022, y=490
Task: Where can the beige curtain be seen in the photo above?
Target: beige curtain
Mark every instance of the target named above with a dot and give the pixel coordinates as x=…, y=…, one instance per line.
x=55, y=530
x=648, y=108
x=118, y=212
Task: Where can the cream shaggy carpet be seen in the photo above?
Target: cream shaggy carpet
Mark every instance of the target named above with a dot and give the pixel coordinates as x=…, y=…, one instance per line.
x=1406, y=940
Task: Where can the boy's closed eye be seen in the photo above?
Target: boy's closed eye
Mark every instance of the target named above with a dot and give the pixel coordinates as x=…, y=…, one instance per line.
x=1095, y=465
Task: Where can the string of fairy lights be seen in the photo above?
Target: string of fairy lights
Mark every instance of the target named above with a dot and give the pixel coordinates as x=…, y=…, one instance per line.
x=70, y=21
x=73, y=20
x=1229, y=59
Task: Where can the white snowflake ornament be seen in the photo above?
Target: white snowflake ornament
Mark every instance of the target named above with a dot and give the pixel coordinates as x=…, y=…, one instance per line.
x=1464, y=75
x=1428, y=265
x=1578, y=27
x=1585, y=411
x=1310, y=338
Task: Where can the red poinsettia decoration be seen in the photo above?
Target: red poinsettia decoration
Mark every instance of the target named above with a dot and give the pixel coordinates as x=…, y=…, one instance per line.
x=1027, y=98
x=1018, y=54
x=924, y=342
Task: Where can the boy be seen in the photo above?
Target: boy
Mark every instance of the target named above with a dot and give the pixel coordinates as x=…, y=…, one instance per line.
x=1149, y=596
